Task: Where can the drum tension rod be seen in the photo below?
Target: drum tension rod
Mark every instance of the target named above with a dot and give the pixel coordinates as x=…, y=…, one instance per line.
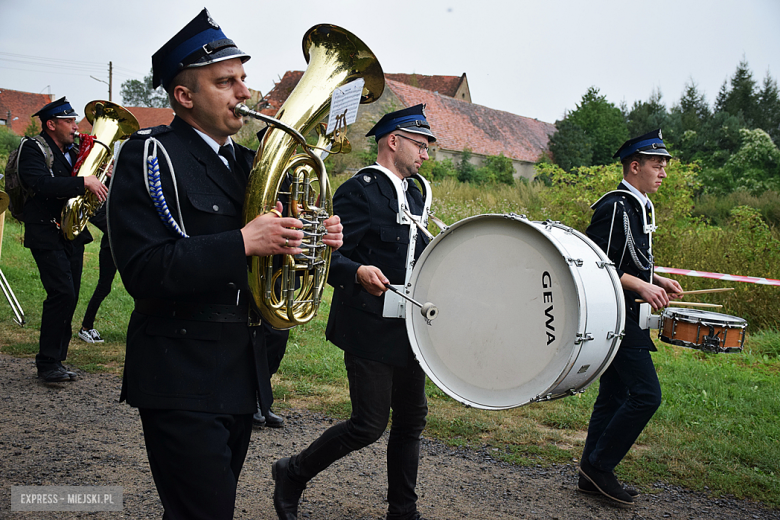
x=427, y=309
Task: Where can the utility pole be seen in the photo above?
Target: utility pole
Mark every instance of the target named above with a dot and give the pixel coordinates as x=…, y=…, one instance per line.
x=110, y=79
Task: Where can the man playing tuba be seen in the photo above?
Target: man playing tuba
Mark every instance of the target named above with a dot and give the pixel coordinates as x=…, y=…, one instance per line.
x=194, y=367
x=45, y=165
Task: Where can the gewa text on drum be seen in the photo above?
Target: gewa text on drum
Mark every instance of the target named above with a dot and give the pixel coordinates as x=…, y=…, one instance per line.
x=528, y=311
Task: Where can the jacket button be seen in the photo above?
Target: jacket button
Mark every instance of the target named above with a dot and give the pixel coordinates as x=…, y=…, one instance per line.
x=215, y=207
x=231, y=285
x=182, y=332
x=397, y=239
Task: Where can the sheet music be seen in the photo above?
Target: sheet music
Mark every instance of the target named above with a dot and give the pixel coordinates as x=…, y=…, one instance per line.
x=344, y=104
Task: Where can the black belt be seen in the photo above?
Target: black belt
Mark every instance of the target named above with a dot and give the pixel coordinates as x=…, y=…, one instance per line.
x=193, y=311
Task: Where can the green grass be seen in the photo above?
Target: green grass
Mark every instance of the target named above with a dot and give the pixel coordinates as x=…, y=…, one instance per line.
x=717, y=428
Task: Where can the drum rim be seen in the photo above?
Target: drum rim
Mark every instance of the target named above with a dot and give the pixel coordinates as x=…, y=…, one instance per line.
x=674, y=313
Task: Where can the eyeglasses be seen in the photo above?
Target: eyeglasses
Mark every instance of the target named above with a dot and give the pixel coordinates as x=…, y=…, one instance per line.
x=423, y=146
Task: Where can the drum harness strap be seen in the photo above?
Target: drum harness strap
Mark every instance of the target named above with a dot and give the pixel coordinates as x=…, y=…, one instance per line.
x=630, y=244
x=405, y=217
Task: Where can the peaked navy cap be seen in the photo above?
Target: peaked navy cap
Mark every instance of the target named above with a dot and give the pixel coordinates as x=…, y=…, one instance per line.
x=410, y=119
x=59, y=109
x=650, y=143
x=201, y=42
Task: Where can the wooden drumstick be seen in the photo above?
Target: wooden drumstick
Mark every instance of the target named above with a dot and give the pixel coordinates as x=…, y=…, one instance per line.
x=687, y=304
x=705, y=291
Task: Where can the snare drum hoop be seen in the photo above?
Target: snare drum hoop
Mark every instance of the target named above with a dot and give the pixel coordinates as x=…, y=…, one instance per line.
x=413, y=320
x=702, y=318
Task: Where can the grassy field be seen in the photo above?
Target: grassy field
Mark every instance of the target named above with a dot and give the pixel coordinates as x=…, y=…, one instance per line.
x=717, y=428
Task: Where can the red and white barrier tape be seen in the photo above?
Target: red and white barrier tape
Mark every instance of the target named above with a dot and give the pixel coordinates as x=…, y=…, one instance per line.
x=717, y=276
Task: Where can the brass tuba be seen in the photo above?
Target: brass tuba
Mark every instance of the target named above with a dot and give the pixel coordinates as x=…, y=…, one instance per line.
x=110, y=123
x=290, y=294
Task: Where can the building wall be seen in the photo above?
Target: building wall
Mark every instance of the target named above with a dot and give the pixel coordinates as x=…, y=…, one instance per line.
x=522, y=169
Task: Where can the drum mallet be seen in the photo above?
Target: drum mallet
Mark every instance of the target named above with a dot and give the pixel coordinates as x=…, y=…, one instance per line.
x=427, y=309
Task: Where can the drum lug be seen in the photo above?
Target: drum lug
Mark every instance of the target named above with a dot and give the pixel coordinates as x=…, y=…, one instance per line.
x=612, y=335
x=602, y=264
x=581, y=338
x=575, y=261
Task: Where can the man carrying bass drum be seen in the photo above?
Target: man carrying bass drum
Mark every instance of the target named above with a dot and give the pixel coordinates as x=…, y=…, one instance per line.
x=379, y=242
x=629, y=391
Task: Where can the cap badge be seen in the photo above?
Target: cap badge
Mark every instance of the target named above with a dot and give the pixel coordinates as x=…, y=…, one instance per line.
x=212, y=22
x=367, y=178
x=659, y=135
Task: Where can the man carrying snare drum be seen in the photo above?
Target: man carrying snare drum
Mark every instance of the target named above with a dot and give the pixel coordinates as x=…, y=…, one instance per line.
x=629, y=392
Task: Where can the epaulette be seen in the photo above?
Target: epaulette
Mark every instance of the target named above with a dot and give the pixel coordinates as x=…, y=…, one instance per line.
x=366, y=176
x=154, y=131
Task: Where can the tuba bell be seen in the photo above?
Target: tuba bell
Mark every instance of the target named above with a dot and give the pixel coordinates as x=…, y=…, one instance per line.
x=110, y=123
x=290, y=294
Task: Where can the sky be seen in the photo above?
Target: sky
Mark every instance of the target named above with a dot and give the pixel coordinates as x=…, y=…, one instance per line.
x=532, y=58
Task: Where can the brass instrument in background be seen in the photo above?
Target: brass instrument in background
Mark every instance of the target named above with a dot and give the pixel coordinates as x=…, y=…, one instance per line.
x=336, y=57
x=110, y=123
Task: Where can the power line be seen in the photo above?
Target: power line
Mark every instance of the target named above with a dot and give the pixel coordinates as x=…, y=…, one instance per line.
x=57, y=60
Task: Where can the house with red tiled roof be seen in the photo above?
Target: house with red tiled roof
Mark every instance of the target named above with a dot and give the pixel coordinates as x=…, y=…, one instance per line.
x=485, y=131
x=453, y=86
x=146, y=116
x=457, y=122
x=17, y=108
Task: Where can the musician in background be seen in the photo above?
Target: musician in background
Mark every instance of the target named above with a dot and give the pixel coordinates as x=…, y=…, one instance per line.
x=45, y=171
x=382, y=371
x=194, y=367
x=629, y=391
x=88, y=332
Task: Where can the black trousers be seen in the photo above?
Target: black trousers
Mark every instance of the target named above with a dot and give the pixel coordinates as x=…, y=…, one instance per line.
x=374, y=389
x=60, y=272
x=103, y=288
x=629, y=395
x=275, y=346
x=196, y=458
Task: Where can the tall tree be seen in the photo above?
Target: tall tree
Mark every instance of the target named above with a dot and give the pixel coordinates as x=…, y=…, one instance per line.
x=769, y=100
x=742, y=97
x=570, y=146
x=603, y=123
x=693, y=108
x=646, y=116
x=140, y=93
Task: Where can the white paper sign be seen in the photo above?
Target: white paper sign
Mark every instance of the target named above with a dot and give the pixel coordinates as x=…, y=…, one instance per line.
x=344, y=104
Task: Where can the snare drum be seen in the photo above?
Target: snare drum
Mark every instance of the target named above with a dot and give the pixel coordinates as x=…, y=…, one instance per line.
x=703, y=330
x=527, y=311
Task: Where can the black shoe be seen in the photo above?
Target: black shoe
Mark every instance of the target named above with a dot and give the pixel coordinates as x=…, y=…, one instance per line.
x=258, y=419
x=286, y=492
x=585, y=486
x=54, y=375
x=606, y=483
x=273, y=421
x=73, y=375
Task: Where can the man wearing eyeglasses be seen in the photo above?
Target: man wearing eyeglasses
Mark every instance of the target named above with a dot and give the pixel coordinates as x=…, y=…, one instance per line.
x=382, y=372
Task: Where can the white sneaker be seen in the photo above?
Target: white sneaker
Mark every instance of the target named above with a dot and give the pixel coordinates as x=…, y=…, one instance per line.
x=90, y=336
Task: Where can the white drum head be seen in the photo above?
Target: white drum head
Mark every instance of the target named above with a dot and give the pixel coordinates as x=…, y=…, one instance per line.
x=508, y=310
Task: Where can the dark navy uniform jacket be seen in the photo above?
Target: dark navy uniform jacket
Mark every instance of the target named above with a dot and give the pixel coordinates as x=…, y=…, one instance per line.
x=175, y=363
x=51, y=189
x=609, y=214
x=368, y=207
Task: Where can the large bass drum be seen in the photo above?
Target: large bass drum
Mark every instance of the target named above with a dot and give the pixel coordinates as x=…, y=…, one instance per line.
x=527, y=311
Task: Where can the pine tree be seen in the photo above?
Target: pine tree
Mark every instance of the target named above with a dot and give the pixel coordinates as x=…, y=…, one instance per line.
x=769, y=101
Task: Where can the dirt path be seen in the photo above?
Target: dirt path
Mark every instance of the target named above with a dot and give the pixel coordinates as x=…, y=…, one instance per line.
x=99, y=442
